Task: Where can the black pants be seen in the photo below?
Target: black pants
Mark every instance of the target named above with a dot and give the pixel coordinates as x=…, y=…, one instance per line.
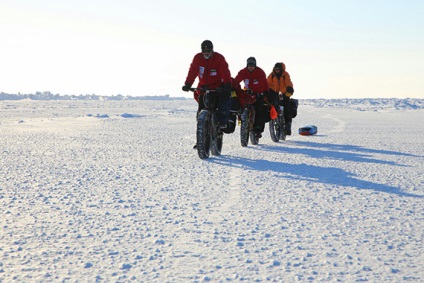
x=273, y=98
x=287, y=109
x=259, y=124
x=232, y=117
x=222, y=103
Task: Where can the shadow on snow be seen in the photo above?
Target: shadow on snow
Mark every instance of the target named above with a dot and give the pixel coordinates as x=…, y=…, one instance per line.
x=313, y=173
x=347, y=147
x=349, y=153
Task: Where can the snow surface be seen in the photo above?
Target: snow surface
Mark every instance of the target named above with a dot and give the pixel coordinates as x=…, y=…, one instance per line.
x=112, y=191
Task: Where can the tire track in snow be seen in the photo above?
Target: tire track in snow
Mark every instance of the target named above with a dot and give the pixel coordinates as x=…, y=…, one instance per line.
x=230, y=198
x=340, y=126
x=233, y=196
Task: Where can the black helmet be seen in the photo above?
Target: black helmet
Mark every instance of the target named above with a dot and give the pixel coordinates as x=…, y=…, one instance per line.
x=207, y=45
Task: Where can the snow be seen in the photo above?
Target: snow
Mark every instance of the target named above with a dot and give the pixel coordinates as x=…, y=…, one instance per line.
x=112, y=191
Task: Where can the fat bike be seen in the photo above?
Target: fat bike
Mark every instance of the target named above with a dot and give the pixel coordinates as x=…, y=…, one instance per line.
x=208, y=135
x=276, y=127
x=247, y=116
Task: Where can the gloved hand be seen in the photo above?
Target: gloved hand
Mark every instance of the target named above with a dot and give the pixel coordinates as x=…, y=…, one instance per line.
x=290, y=89
x=186, y=87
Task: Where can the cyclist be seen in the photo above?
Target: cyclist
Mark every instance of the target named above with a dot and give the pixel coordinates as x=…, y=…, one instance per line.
x=255, y=82
x=280, y=84
x=212, y=70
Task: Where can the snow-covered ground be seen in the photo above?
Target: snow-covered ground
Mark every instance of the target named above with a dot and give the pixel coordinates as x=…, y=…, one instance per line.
x=112, y=191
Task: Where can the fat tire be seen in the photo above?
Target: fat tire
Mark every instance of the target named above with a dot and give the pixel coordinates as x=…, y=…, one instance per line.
x=244, y=128
x=203, y=134
x=273, y=130
x=216, y=145
x=253, y=139
x=282, y=123
x=215, y=136
x=252, y=135
x=276, y=129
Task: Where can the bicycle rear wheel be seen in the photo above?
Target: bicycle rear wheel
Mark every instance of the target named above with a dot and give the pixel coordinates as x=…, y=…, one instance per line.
x=281, y=124
x=216, y=146
x=253, y=138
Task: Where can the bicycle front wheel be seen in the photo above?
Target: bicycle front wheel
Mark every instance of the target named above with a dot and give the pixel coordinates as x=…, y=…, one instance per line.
x=203, y=134
x=245, y=127
x=216, y=145
x=276, y=129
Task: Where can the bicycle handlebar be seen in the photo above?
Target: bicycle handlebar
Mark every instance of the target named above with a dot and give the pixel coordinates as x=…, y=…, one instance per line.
x=253, y=94
x=205, y=89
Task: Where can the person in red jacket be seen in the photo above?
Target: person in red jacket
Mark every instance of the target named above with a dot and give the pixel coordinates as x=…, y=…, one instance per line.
x=280, y=84
x=212, y=70
x=255, y=82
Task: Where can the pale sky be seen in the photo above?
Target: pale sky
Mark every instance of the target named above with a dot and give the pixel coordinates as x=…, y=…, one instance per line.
x=332, y=48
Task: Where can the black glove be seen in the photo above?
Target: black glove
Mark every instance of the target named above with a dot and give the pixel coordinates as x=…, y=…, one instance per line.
x=290, y=89
x=186, y=87
x=249, y=91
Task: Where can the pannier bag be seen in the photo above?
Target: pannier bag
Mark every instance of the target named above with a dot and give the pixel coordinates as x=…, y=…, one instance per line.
x=294, y=103
x=267, y=115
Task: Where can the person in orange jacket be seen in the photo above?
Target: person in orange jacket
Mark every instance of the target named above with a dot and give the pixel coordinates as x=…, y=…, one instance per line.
x=281, y=86
x=255, y=81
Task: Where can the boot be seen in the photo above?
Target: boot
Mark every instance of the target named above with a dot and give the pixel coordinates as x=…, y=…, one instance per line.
x=231, y=122
x=287, y=129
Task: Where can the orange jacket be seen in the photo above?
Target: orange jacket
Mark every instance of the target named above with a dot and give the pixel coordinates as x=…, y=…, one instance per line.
x=280, y=84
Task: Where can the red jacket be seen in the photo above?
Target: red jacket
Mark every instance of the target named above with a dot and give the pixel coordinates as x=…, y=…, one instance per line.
x=256, y=80
x=211, y=73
